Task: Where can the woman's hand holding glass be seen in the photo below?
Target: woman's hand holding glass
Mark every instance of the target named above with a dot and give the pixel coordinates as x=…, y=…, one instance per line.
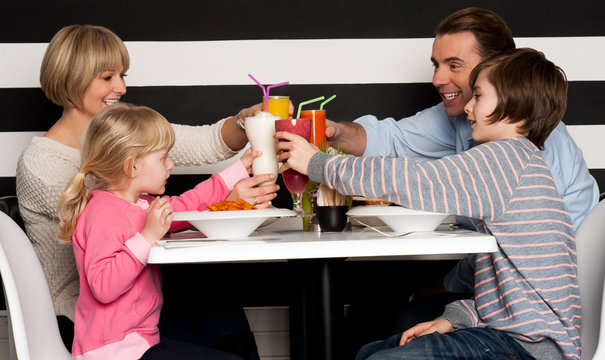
x=250, y=189
x=253, y=110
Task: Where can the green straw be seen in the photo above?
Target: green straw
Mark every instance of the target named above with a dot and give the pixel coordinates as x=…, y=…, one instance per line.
x=321, y=107
x=308, y=102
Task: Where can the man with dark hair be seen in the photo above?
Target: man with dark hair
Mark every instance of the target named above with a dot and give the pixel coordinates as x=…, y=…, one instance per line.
x=463, y=39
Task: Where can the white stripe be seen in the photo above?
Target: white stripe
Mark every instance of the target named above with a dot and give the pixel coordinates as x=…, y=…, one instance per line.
x=331, y=61
x=588, y=137
x=12, y=145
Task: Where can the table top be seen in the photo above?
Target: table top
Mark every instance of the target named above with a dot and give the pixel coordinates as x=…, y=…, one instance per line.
x=278, y=244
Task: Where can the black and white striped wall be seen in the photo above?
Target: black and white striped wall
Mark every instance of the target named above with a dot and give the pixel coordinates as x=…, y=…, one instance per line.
x=190, y=59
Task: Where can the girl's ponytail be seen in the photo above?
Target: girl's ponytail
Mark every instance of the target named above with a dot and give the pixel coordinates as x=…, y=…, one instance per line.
x=72, y=203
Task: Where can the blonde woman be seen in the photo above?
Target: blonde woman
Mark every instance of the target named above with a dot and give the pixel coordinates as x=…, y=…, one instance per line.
x=113, y=222
x=83, y=71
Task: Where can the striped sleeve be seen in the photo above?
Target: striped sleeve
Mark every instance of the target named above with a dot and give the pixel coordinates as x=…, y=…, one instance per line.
x=476, y=183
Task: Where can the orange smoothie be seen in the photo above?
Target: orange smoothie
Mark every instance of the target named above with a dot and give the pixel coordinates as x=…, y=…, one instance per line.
x=278, y=106
x=318, y=134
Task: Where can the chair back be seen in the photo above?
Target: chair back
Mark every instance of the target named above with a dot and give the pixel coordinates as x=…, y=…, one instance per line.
x=31, y=313
x=590, y=247
x=10, y=206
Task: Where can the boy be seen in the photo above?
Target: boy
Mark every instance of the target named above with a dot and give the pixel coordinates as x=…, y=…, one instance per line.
x=526, y=300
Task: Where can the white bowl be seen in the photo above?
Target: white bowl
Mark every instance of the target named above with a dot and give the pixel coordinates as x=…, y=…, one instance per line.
x=400, y=219
x=229, y=224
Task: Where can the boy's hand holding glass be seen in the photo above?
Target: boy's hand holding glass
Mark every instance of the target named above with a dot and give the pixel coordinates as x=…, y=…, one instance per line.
x=296, y=152
x=157, y=220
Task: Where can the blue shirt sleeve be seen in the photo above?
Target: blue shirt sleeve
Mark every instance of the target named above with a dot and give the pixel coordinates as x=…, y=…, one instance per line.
x=429, y=134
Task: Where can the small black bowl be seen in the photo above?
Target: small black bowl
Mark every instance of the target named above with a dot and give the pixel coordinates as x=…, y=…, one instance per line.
x=332, y=218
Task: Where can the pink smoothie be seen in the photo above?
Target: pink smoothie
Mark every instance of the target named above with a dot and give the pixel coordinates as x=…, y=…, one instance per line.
x=295, y=181
x=300, y=127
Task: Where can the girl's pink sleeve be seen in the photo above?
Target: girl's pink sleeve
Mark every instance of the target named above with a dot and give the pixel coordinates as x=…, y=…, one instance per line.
x=208, y=192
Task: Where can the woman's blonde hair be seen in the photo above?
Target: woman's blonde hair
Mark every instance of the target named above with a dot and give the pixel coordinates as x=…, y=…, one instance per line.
x=117, y=134
x=74, y=57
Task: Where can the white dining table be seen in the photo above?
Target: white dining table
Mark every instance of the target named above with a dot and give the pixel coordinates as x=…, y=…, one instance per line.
x=279, y=242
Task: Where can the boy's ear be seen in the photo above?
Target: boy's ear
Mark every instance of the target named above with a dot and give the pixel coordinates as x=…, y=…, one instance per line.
x=130, y=167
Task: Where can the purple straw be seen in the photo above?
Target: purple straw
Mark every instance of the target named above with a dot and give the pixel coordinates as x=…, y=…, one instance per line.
x=267, y=94
x=276, y=85
x=259, y=84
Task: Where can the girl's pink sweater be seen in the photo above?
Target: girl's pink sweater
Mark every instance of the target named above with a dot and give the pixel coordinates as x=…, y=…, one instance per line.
x=120, y=295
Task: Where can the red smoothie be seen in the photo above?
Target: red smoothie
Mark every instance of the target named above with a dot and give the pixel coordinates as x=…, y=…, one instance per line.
x=295, y=181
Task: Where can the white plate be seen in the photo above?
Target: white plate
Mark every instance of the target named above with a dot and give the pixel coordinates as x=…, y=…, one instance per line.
x=234, y=224
x=400, y=219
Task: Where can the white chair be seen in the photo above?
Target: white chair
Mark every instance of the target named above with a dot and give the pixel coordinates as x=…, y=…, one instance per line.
x=600, y=353
x=590, y=247
x=31, y=313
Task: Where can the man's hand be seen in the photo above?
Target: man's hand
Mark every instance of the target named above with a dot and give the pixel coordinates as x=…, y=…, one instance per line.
x=346, y=136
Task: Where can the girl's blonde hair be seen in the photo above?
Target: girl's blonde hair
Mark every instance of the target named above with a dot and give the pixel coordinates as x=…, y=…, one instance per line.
x=74, y=57
x=117, y=134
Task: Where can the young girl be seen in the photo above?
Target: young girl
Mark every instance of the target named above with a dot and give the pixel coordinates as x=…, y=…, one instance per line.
x=526, y=302
x=107, y=213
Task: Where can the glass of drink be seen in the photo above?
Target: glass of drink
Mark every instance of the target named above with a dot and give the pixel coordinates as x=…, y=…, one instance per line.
x=295, y=181
x=318, y=137
x=318, y=134
x=278, y=106
x=260, y=129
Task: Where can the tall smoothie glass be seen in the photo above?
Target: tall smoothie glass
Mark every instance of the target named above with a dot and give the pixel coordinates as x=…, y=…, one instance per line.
x=295, y=181
x=318, y=134
x=260, y=129
x=278, y=106
x=318, y=137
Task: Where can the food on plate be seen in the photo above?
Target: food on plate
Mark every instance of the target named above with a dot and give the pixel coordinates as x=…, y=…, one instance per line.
x=227, y=205
x=361, y=201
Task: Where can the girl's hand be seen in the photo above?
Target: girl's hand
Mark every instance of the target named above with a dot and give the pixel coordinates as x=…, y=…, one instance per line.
x=441, y=326
x=250, y=191
x=157, y=220
x=248, y=158
x=297, y=152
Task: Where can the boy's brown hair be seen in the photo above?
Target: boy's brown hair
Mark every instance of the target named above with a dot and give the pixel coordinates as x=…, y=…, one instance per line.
x=530, y=89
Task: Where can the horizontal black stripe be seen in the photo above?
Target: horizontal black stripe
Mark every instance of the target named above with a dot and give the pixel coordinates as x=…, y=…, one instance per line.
x=178, y=184
x=7, y=186
x=145, y=20
x=28, y=109
x=599, y=175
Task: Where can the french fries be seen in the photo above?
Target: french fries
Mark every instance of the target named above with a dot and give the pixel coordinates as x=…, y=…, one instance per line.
x=227, y=205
